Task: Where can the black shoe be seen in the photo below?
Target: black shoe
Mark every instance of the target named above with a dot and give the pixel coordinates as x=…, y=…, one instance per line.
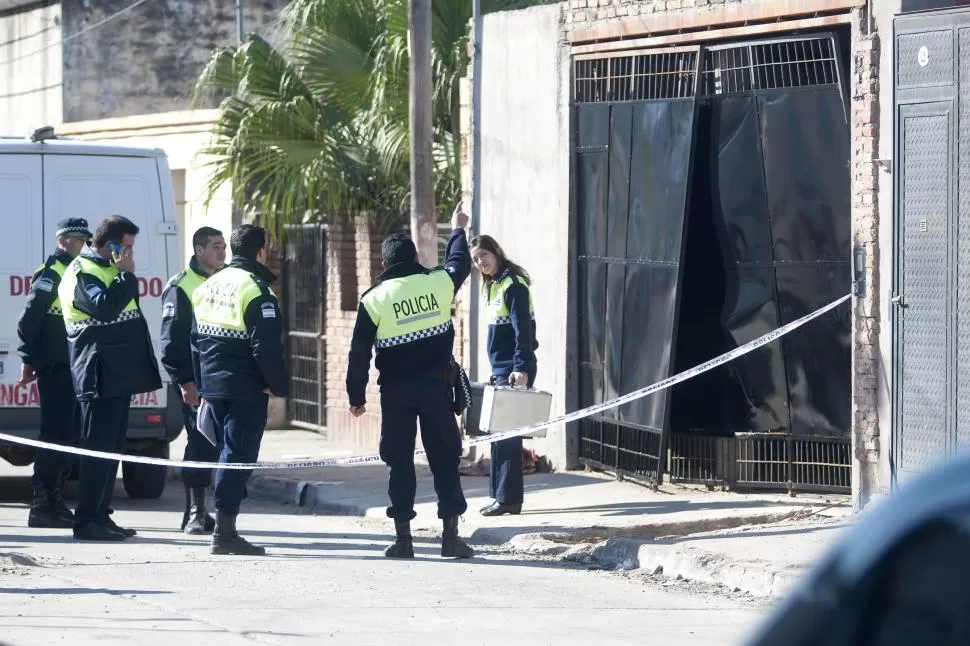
x=115, y=527
x=92, y=531
x=59, y=509
x=451, y=545
x=43, y=513
x=196, y=520
x=499, y=509
x=225, y=540
x=403, y=546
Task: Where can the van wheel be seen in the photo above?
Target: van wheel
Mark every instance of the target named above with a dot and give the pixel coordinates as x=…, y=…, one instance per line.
x=146, y=480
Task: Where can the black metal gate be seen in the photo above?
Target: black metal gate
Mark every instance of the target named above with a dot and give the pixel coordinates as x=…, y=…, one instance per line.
x=931, y=282
x=776, y=217
x=633, y=145
x=304, y=298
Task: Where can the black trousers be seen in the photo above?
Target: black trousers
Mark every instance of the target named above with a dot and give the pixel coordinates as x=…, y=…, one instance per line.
x=403, y=404
x=60, y=419
x=506, y=481
x=104, y=427
x=197, y=449
x=242, y=422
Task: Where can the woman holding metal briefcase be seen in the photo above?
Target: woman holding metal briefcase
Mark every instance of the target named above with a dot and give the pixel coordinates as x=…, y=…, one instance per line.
x=511, y=352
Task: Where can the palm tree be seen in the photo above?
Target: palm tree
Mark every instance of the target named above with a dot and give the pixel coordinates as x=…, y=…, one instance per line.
x=318, y=124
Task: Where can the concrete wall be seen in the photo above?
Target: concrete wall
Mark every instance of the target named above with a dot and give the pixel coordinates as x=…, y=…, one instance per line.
x=525, y=181
x=147, y=60
x=30, y=69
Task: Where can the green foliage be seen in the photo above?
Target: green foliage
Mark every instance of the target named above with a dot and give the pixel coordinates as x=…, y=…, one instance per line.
x=318, y=123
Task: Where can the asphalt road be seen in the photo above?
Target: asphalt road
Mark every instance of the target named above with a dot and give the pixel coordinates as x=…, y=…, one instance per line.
x=324, y=578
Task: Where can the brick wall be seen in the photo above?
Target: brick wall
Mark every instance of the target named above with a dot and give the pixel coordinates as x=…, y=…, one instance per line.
x=588, y=13
x=865, y=222
x=148, y=59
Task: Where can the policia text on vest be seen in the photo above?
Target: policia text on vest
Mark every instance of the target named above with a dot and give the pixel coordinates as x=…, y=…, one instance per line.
x=406, y=316
x=238, y=360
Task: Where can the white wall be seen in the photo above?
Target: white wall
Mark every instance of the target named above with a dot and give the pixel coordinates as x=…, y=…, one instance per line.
x=30, y=70
x=525, y=180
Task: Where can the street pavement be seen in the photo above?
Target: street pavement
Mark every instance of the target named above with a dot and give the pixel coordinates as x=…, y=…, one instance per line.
x=324, y=579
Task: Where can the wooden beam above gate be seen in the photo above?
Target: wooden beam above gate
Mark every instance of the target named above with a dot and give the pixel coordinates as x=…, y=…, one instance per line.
x=692, y=24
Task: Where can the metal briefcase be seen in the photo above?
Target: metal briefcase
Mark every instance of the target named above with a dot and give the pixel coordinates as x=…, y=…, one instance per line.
x=505, y=409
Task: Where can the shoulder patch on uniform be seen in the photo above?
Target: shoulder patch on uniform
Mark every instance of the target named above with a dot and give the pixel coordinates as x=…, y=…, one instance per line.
x=450, y=269
x=268, y=310
x=174, y=280
x=45, y=285
x=92, y=291
x=168, y=311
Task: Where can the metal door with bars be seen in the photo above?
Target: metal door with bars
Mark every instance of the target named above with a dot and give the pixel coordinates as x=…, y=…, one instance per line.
x=931, y=277
x=633, y=146
x=304, y=298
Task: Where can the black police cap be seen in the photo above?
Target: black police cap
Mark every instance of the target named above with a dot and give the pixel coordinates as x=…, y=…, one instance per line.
x=77, y=227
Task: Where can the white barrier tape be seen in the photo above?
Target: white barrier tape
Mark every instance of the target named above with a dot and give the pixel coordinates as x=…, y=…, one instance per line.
x=488, y=439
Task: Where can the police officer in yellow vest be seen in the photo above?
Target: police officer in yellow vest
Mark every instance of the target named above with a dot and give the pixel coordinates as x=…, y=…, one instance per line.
x=511, y=350
x=209, y=257
x=111, y=359
x=43, y=349
x=407, y=317
x=238, y=356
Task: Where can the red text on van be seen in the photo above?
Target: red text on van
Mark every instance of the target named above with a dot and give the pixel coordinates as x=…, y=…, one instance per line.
x=147, y=287
x=15, y=395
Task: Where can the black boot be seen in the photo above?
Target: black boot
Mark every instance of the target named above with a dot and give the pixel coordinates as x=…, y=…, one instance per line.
x=196, y=520
x=403, y=547
x=451, y=545
x=42, y=512
x=225, y=540
x=59, y=509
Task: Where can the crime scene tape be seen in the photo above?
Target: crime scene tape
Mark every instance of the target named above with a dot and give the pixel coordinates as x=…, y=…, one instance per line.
x=488, y=439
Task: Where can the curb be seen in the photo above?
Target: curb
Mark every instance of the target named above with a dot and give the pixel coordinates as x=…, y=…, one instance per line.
x=585, y=545
x=623, y=554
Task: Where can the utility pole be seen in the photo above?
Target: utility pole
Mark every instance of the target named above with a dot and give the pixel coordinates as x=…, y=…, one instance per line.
x=474, y=311
x=239, y=21
x=424, y=221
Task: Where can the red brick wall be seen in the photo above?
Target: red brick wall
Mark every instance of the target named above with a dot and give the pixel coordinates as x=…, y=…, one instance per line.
x=353, y=262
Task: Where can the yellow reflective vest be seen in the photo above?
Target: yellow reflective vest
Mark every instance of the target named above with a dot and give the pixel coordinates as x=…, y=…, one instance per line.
x=410, y=308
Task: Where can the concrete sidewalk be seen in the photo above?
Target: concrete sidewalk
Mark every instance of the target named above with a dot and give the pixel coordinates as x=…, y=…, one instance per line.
x=757, y=543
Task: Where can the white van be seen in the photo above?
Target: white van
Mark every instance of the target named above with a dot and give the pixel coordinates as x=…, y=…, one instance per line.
x=42, y=181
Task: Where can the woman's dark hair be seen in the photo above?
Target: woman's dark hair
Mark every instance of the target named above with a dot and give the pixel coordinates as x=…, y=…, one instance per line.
x=489, y=244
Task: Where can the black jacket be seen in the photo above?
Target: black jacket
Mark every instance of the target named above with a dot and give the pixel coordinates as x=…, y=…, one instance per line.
x=240, y=368
x=43, y=341
x=176, y=333
x=428, y=356
x=113, y=357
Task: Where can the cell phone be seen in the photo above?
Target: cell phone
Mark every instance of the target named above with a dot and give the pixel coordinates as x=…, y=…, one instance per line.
x=115, y=247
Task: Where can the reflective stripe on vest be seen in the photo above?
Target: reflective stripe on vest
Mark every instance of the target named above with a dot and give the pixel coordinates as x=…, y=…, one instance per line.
x=58, y=267
x=220, y=303
x=497, y=312
x=74, y=319
x=410, y=308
